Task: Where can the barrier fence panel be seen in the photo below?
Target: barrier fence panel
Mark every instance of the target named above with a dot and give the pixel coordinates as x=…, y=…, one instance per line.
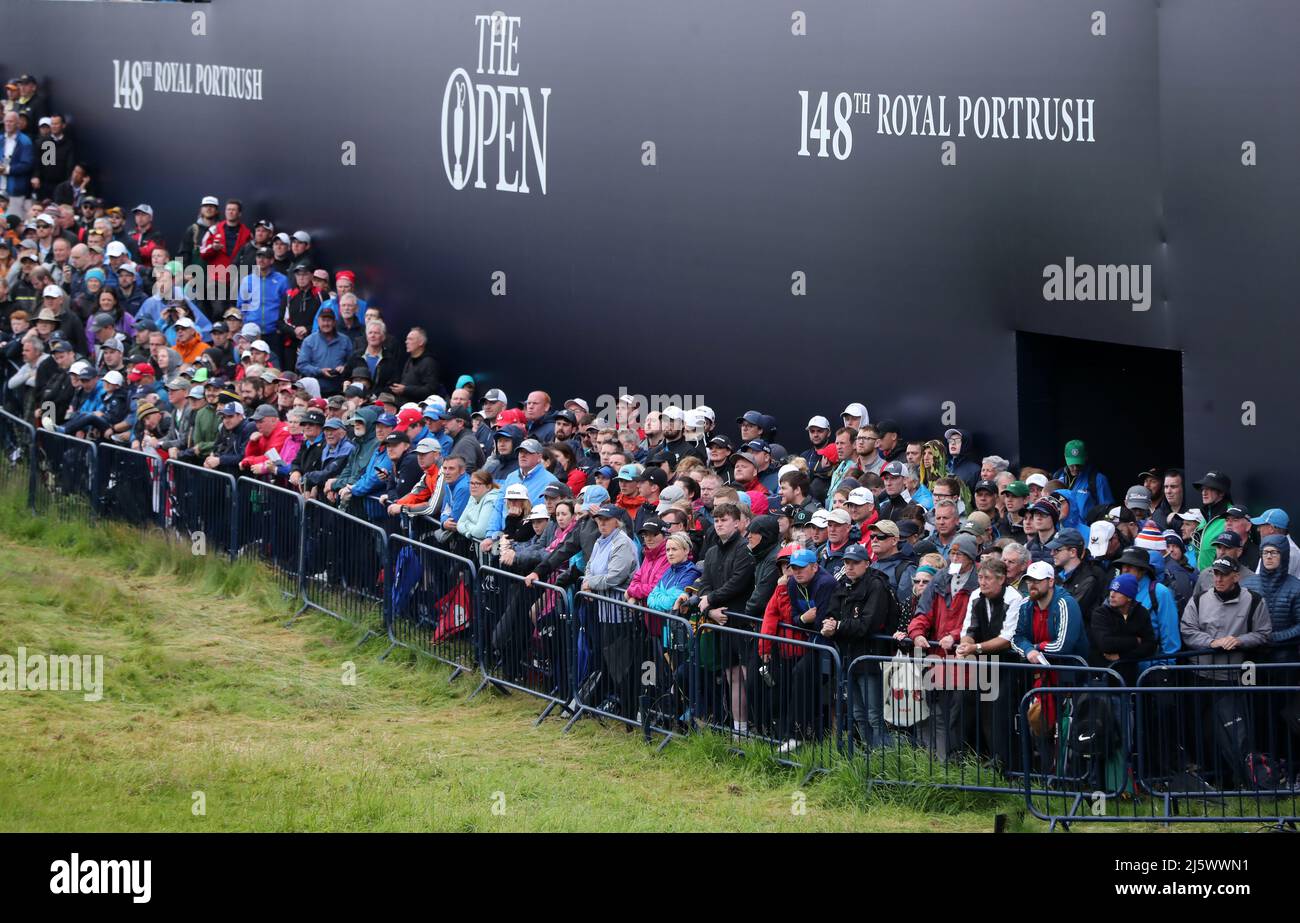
x=433, y=603
x=65, y=476
x=1217, y=737
x=633, y=666
x=527, y=636
x=922, y=719
x=781, y=694
x=1235, y=787
x=200, y=506
x=345, y=566
x=269, y=530
x=17, y=442
x=127, y=485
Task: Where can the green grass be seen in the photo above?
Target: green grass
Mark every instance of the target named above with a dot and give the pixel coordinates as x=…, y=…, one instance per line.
x=206, y=691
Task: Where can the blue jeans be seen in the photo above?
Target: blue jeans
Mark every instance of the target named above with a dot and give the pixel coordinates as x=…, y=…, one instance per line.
x=867, y=700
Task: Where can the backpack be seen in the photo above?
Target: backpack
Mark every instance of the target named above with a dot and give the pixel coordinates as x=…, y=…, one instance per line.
x=1092, y=726
x=893, y=611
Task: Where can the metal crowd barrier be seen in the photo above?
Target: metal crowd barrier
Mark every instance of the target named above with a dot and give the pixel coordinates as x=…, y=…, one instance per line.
x=787, y=703
x=344, y=567
x=1235, y=785
x=17, y=442
x=633, y=666
x=1188, y=742
x=433, y=605
x=270, y=530
x=950, y=723
x=65, y=476
x=127, y=485
x=200, y=503
x=527, y=637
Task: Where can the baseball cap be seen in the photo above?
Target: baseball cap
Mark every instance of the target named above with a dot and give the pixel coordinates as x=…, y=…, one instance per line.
x=1017, y=489
x=265, y=412
x=45, y=218
x=386, y=419
x=252, y=331
x=114, y=377
x=857, y=552
x=397, y=437
x=1192, y=514
x=408, y=418
x=557, y=489
x=950, y=432
x=861, y=496
x=608, y=511
x=538, y=513
x=61, y=346
x=788, y=550
x=516, y=492
x=722, y=442
x=654, y=526
x=1066, y=538
x=819, y=422
x=895, y=469
x=1236, y=512
x=855, y=409
x=336, y=423
x=428, y=444
x=840, y=516
x=657, y=476
x=1036, y=480
x=1138, y=496
x=752, y=417
x=232, y=409
x=496, y=394
x=115, y=248
x=1076, y=453
x=1226, y=539
x=886, y=527
x=819, y=519
x=313, y=417
x=803, y=557
x=529, y=445
x=52, y=291
x=302, y=237
x=1099, y=535
x=146, y=209
x=197, y=392
x=577, y=401
x=1040, y=570
x=1224, y=565
x=1273, y=517
x=628, y=472
x=209, y=200
x=988, y=486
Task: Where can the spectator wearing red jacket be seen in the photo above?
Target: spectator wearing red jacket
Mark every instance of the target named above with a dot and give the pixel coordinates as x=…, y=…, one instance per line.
x=272, y=433
x=220, y=245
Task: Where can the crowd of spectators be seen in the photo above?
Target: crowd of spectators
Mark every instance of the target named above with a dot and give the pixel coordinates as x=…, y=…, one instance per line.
x=864, y=535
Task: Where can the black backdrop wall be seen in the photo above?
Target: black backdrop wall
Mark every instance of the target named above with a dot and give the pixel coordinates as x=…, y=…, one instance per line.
x=678, y=276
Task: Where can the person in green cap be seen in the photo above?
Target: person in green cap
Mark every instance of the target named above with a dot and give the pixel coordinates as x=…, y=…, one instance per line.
x=1081, y=477
x=1015, y=497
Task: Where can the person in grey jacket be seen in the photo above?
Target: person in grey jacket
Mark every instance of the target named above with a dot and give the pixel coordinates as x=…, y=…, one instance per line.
x=610, y=567
x=1230, y=621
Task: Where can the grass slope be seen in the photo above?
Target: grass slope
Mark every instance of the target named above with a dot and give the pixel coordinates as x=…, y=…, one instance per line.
x=206, y=691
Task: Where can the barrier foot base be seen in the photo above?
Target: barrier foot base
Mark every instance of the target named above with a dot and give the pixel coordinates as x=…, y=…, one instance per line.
x=294, y=617
x=366, y=637
x=664, y=743
x=574, y=720
x=455, y=673
x=546, y=712
x=391, y=647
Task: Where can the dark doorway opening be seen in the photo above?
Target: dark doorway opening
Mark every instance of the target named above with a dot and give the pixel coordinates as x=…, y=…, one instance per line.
x=1125, y=402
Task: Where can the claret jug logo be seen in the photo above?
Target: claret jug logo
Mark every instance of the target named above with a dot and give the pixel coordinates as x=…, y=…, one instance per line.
x=494, y=130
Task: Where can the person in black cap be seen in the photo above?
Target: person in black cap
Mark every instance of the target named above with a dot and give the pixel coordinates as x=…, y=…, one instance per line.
x=1227, y=545
x=304, y=301
x=891, y=444
x=463, y=443
x=1040, y=528
x=1080, y=577
x=405, y=475
x=1216, y=496
x=720, y=451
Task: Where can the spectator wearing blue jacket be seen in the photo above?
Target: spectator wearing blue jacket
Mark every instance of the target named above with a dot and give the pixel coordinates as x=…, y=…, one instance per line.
x=262, y=295
x=1281, y=591
x=1048, y=621
x=455, y=484
x=1148, y=567
x=324, y=356
x=530, y=473
x=16, y=181
x=1082, y=477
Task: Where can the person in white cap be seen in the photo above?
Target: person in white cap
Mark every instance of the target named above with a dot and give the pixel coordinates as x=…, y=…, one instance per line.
x=1036, y=483
x=66, y=324
x=855, y=415
x=1048, y=623
x=98, y=405
x=193, y=236
x=145, y=236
